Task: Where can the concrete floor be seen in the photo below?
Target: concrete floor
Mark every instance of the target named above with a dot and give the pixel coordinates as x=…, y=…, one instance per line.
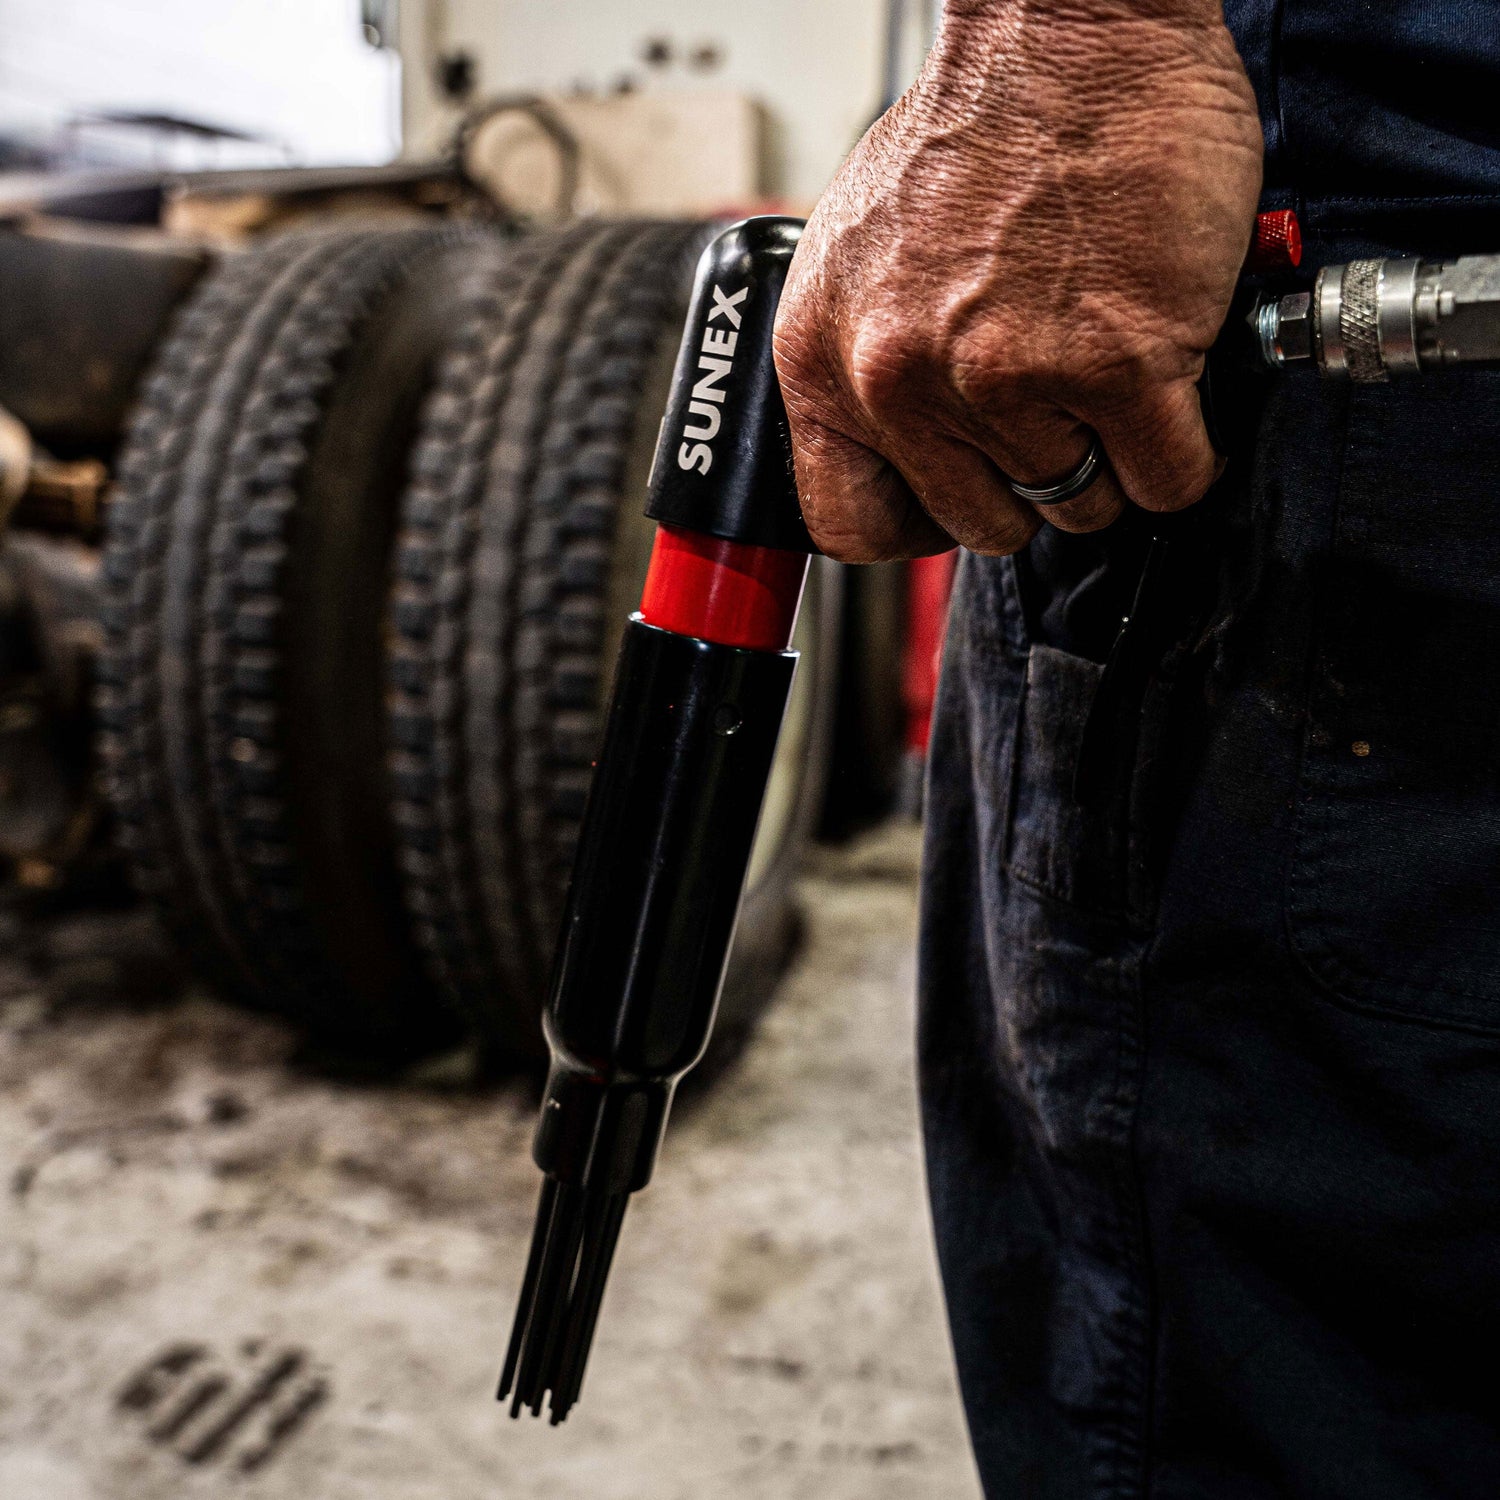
x=221, y=1273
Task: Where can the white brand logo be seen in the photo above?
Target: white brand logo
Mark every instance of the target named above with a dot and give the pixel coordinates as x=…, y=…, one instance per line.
x=714, y=362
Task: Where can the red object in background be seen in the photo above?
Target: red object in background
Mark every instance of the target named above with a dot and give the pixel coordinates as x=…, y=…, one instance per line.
x=929, y=582
x=1276, y=244
x=731, y=593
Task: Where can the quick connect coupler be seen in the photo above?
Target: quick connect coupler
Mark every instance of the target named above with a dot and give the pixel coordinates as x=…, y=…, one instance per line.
x=1370, y=320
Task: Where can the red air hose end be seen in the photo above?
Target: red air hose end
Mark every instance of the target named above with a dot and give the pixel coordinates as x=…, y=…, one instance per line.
x=1277, y=245
x=731, y=593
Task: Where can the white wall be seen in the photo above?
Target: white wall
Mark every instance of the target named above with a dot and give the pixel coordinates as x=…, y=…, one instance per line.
x=298, y=70
x=814, y=64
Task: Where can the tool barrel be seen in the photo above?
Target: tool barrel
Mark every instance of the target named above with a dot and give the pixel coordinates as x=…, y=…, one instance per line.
x=656, y=890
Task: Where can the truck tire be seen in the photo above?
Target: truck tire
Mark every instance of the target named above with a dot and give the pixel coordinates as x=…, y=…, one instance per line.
x=246, y=577
x=522, y=551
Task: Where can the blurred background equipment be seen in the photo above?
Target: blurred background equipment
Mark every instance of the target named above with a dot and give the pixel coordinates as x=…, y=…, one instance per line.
x=15, y=463
x=693, y=152
x=801, y=80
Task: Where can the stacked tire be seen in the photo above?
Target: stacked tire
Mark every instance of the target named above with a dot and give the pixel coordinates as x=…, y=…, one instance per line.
x=242, y=682
x=377, y=527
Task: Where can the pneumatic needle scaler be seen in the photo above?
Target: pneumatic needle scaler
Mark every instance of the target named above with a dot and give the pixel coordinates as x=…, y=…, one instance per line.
x=701, y=686
x=699, y=692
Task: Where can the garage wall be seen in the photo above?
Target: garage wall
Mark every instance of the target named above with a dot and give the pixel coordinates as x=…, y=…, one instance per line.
x=814, y=64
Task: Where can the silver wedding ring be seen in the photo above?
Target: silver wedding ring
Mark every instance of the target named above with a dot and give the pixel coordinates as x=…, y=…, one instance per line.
x=1075, y=484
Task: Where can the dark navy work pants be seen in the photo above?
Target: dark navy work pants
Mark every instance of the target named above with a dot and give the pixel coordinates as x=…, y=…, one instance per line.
x=1211, y=1072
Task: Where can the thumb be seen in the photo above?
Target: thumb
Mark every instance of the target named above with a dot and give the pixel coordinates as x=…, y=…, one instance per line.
x=1159, y=448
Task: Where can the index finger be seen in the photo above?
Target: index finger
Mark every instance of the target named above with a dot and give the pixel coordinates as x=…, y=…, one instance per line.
x=858, y=505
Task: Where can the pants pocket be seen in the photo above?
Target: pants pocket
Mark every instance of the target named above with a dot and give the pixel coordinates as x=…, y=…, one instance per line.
x=1057, y=846
x=1393, y=892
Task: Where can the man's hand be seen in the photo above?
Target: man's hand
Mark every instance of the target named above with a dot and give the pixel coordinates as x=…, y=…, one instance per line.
x=1041, y=238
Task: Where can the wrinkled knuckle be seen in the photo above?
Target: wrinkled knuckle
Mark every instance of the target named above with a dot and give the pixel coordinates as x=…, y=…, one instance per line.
x=1003, y=534
x=885, y=365
x=812, y=405
x=846, y=547
x=1172, y=488
x=1107, y=396
x=847, y=543
x=1110, y=380
x=812, y=395
x=1086, y=516
x=1157, y=473
x=793, y=339
x=993, y=384
x=797, y=344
